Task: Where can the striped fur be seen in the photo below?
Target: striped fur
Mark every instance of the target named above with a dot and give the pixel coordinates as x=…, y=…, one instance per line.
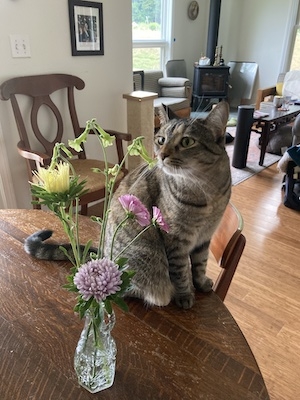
x=35, y=246
x=191, y=186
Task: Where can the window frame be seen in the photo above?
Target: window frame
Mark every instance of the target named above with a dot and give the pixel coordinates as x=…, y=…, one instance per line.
x=166, y=31
x=289, y=43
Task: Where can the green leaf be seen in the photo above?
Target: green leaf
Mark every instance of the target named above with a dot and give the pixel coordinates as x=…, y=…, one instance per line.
x=98, y=220
x=119, y=301
x=86, y=250
x=108, y=306
x=71, y=288
x=121, y=262
x=66, y=253
x=82, y=306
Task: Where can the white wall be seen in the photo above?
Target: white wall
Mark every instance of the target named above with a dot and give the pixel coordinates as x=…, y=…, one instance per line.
x=107, y=77
x=189, y=37
x=255, y=30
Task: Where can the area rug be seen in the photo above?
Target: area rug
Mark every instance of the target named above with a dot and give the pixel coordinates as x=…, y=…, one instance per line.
x=252, y=167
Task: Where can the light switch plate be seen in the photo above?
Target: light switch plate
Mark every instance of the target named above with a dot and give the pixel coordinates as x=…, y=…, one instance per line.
x=20, y=46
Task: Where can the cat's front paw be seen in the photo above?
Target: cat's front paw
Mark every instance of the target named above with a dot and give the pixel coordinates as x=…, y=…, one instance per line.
x=204, y=285
x=185, y=300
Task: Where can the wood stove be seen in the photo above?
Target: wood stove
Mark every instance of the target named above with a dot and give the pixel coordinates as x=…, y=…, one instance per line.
x=209, y=82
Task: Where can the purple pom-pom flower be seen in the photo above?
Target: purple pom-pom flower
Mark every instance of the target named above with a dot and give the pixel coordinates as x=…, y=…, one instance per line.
x=98, y=278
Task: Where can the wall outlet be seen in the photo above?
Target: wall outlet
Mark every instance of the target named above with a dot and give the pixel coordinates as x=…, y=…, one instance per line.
x=20, y=46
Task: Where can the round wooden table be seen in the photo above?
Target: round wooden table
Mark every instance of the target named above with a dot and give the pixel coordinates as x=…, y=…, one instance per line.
x=162, y=353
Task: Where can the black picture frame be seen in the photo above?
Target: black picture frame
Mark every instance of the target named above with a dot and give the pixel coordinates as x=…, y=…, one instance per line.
x=86, y=27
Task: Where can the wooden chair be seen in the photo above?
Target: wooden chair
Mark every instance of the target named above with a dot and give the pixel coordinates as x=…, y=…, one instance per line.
x=38, y=136
x=227, y=245
x=175, y=93
x=270, y=91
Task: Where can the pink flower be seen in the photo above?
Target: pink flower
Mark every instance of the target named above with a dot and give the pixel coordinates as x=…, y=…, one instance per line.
x=135, y=209
x=158, y=219
x=98, y=279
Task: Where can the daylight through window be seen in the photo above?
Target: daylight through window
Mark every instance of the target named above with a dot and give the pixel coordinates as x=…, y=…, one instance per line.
x=295, y=62
x=150, y=33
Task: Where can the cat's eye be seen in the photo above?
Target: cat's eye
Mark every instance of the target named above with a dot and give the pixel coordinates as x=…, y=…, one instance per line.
x=160, y=140
x=187, y=141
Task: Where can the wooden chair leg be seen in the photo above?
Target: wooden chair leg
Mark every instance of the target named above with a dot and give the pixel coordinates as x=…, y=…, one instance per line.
x=84, y=209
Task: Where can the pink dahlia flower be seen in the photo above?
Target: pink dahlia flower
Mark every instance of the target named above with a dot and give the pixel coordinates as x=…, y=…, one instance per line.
x=158, y=219
x=135, y=209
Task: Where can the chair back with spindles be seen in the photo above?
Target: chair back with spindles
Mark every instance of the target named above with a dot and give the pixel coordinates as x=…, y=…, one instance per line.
x=49, y=117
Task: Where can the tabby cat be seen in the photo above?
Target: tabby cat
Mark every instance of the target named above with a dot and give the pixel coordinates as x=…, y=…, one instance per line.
x=191, y=185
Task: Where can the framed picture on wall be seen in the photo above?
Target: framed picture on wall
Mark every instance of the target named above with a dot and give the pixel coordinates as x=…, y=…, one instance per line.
x=86, y=27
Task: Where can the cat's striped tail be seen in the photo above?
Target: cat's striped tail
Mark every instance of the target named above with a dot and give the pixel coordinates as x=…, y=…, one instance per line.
x=35, y=246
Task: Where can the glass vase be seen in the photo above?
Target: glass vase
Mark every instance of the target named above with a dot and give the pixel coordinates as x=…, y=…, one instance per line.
x=95, y=355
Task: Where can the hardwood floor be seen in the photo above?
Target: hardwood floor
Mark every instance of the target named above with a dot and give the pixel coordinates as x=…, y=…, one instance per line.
x=264, y=296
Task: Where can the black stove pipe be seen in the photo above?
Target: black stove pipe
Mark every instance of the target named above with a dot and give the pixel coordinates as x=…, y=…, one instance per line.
x=213, y=29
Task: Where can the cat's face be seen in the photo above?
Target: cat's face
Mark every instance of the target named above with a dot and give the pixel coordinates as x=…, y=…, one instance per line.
x=190, y=147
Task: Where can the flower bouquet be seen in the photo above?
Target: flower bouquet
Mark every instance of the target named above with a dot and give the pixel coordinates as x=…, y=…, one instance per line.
x=98, y=278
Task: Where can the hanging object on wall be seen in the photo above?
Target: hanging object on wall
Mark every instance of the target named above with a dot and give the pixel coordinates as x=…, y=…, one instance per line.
x=86, y=26
x=193, y=10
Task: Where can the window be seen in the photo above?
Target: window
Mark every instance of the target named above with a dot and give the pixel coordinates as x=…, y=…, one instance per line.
x=295, y=62
x=293, y=56
x=151, y=31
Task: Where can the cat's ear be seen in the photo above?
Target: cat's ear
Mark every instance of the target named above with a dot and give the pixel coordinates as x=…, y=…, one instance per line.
x=170, y=113
x=218, y=118
x=165, y=114
x=162, y=114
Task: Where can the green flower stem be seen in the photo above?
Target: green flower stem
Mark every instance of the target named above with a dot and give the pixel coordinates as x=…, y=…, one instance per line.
x=115, y=233
x=70, y=164
x=76, y=228
x=132, y=241
x=96, y=340
x=106, y=203
x=71, y=228
x=56, y=155
x=105, y=210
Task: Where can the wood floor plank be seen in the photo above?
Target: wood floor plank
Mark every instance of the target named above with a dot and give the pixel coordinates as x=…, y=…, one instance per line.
x=264, y=296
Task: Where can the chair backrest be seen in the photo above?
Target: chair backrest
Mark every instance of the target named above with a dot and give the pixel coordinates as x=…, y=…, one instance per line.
x=40, y=89
x=227, y=245
x=151, y=84
x=176, y=68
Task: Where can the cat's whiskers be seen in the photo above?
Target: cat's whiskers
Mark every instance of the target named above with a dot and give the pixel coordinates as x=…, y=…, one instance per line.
x=202, y=184
x=196, y=183
x=143, y=175
x=194, y=119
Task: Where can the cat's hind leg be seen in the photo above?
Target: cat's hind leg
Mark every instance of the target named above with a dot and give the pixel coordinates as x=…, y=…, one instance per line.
x=151, y=281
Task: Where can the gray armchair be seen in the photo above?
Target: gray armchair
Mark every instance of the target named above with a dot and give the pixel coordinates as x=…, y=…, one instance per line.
x=176, y=68
x=175, y=93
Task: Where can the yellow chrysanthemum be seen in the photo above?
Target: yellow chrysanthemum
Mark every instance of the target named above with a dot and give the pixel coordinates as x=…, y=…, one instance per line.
x=55, y=180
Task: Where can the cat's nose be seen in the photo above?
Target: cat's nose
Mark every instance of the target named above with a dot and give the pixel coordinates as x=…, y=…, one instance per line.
x=164, y=156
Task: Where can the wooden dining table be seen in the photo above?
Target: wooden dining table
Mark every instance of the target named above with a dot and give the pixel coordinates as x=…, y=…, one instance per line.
x=162, y=352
